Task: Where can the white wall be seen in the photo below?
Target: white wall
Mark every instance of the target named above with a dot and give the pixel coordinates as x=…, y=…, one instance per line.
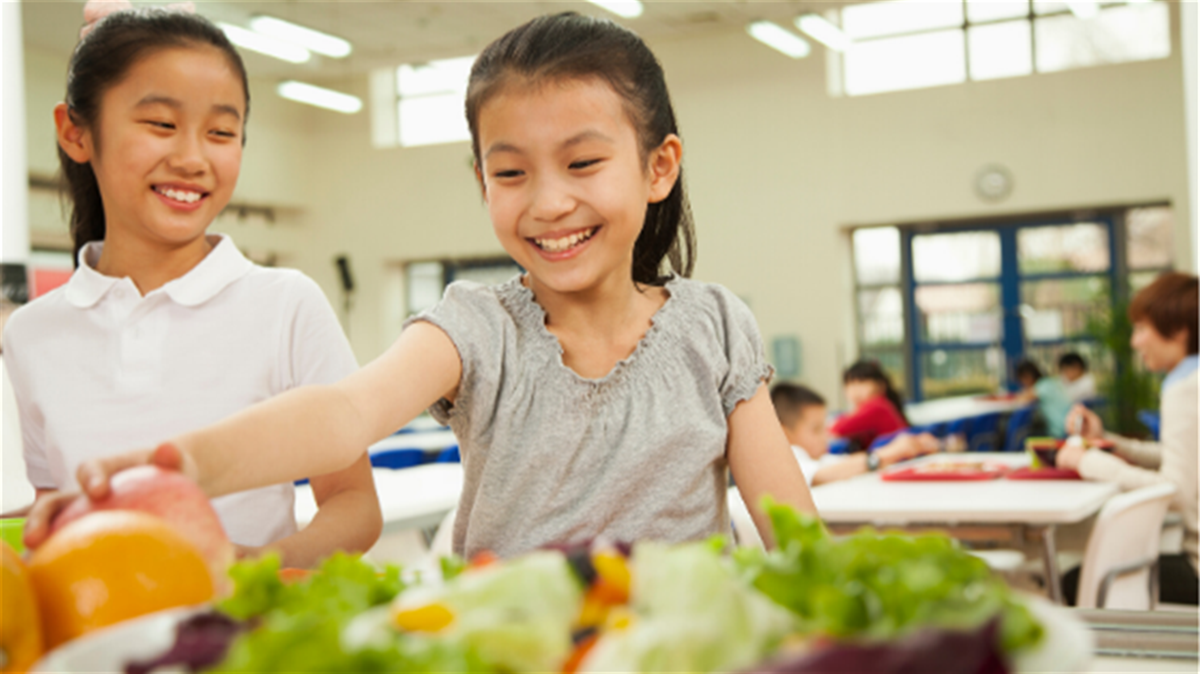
x=776, y=171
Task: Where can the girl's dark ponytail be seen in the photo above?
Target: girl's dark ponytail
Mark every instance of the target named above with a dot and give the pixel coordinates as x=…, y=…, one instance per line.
x=101, y=59
x=870, y=370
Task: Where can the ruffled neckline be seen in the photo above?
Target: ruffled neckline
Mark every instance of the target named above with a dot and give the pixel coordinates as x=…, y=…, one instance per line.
x=532, y=316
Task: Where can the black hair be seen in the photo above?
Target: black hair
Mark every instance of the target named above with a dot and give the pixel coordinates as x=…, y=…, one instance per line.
x=791, y=400
x=572, y=46
x=1071, y=358
x=1026, y=367
x=100, y=61
x=870, y=370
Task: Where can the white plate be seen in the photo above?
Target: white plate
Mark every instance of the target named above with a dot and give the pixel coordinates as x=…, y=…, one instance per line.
x=111, y=648
x=1066, y=647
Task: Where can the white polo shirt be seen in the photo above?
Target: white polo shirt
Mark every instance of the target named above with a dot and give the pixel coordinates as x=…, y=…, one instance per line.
x=99, y=369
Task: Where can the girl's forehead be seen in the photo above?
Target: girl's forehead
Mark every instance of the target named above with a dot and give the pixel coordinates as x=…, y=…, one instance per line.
x=523, y=104
x=193, y=74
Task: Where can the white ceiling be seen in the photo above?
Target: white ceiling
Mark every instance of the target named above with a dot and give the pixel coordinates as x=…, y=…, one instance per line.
x=391, y=32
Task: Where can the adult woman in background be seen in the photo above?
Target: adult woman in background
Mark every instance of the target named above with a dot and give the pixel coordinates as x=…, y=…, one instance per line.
x=1164, y=316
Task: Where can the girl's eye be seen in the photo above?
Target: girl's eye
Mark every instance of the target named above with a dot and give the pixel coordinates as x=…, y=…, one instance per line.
x=584, y=164
x=513, y=173
x=160, y=125
x=225, y=134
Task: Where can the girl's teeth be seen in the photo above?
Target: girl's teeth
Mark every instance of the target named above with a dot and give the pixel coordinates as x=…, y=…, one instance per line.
x=559, y=245
x=180, y=195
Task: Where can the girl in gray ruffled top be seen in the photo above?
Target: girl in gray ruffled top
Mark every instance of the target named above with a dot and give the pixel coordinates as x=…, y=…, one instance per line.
x=593, y=395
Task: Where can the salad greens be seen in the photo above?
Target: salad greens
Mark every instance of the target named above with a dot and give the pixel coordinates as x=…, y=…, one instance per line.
x=880, y=586
x=691, y=613
x=300, y=625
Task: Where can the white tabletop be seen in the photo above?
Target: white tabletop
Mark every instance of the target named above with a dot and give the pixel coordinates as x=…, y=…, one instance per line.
x=423, y=440
x=868, y=499
x=410, y=498
x=949, y=409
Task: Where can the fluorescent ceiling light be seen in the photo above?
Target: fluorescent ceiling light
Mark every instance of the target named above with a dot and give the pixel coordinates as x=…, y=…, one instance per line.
x=778, y=38
x=248, y=39
x=1084, y=9
x=313, y=40
x=822, y=30
x=320, y=97
x=629, y=9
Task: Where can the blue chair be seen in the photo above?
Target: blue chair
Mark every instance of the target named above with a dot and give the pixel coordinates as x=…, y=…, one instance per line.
x=839, y=446
x=1017, y=429
x=984, y=434
x=1151, y=420
x=936, y=430
x=397, y=458
x=448, y=455
x=882, y=440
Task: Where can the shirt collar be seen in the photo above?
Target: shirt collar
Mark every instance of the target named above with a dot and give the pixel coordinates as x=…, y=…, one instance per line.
x=223, y=265
x=1181, y=371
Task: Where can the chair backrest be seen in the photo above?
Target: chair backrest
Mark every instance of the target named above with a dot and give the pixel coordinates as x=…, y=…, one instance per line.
x=449, y=455
x=881, y=440
x=1151, y=420
x=397, y=458
x=745, y=533
x=1120, y=564
x=1017, y=429
x=984, y=435
x=442, y=544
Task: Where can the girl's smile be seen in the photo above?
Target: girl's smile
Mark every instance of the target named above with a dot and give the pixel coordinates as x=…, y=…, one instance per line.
x=181, y=197
x=564, y=245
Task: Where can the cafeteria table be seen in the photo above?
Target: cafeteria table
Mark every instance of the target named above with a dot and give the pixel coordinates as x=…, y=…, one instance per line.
x=988, y=510
x=962, y=407
x=410, y=498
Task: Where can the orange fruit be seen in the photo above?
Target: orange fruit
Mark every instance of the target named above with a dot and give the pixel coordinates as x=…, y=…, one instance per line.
x=111, y=566
x=20, y=627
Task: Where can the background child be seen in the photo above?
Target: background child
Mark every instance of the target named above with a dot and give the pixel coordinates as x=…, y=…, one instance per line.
x=594, y=394
x=802, y=412
x=163, y=329
x=1079, y=384
x=1050, y=396
x=876, y=408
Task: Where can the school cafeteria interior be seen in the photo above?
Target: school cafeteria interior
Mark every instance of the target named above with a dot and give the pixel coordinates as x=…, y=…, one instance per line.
x=945, y=211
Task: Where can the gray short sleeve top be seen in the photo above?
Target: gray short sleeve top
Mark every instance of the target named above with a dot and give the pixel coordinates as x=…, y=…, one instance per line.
x=552, y=457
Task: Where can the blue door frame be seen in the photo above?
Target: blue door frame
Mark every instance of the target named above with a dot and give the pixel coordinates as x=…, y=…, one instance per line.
x=1012, y=341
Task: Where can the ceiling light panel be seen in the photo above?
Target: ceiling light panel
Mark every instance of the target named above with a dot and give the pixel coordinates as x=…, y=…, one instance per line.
x=264, y=44
x=313, y=40
x=822, y=30
x=779, y=39
x=629, y=9
x=319, y=96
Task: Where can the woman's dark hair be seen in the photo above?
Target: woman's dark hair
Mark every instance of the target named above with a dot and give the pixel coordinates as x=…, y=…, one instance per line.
x=571, y=46
x=870, y=370
x=101, y=60
x=1027, y=368
x=1170, y=304
x=790, y=401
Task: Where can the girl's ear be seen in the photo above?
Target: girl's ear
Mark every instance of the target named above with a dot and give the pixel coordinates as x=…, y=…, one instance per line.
x=71, y=137
x=664, y=167
x=479, y=179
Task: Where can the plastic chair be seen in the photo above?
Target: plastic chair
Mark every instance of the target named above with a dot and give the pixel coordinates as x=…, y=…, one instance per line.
x=1151, y=420
x=881, y=440
x=397, y=458
x=745, y=533
x=442, y=544
x=1017, y=429
x=448, y=455
x=1120, y=563
x=984, y=435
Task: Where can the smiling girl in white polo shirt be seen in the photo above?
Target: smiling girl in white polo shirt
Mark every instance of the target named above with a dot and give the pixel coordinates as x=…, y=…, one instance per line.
x=163, y=328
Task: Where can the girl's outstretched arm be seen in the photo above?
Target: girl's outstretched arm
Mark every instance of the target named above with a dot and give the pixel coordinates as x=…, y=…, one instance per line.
x=762, y=462
x=311, y=430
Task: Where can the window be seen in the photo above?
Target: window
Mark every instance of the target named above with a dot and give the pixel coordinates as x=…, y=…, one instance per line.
x=420, y=103
x=974, y=298
x=912, y=44
x=426, y=281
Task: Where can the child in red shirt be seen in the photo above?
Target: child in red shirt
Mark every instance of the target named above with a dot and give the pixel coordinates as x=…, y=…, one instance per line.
x=876, y=407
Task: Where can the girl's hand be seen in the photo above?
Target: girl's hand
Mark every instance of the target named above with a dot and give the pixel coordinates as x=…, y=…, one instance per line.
x=1069, y=456
x=94, y=475
x=47, y=506
x=907, y=446
x=1082, y=421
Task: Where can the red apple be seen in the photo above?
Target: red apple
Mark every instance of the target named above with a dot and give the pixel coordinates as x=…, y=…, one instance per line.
x=174, y=498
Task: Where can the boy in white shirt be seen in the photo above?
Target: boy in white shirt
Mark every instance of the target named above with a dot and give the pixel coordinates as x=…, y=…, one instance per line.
x=802, y=413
